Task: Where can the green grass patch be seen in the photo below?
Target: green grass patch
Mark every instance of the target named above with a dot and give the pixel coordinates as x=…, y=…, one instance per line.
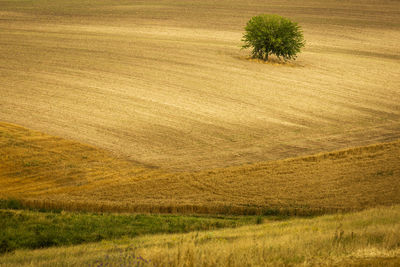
x=38, y=229
x=13, y=204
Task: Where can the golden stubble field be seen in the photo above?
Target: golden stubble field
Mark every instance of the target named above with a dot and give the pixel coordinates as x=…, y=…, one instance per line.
x=51, y=172
x=164, y=83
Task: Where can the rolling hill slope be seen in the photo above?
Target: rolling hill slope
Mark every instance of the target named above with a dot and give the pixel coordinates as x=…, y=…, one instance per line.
x=165, y=83
x=48, y=171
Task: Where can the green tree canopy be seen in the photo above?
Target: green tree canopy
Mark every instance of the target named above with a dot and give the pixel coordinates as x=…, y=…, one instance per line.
x=273, y=34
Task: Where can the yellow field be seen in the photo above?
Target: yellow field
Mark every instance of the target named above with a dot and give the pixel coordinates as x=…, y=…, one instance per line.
x=164, y=82
x=49, y=172
x=368, y=238
x=151, y=106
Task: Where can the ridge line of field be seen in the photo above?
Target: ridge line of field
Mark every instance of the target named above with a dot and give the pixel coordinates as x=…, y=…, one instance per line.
x=50, y=172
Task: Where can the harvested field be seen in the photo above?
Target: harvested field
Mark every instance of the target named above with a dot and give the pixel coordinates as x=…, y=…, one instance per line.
x=50, y=172
x=164, y=83
x=151, y=107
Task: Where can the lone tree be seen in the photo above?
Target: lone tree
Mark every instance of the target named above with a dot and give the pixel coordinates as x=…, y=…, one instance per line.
x=273, y=34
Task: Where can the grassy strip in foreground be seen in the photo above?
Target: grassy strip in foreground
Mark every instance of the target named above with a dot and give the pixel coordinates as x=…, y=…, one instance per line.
x=34, y=229
x=362, y=238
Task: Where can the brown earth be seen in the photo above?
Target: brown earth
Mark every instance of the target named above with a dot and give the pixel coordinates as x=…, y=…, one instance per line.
x=165, y=83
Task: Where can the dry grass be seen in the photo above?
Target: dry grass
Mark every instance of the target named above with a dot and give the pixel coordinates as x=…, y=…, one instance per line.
x=51, y=172
x=368, y=238
x=164, y=82
x=36, y=164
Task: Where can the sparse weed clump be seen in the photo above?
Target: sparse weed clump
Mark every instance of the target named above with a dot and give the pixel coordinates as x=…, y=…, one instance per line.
x=11, y=203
